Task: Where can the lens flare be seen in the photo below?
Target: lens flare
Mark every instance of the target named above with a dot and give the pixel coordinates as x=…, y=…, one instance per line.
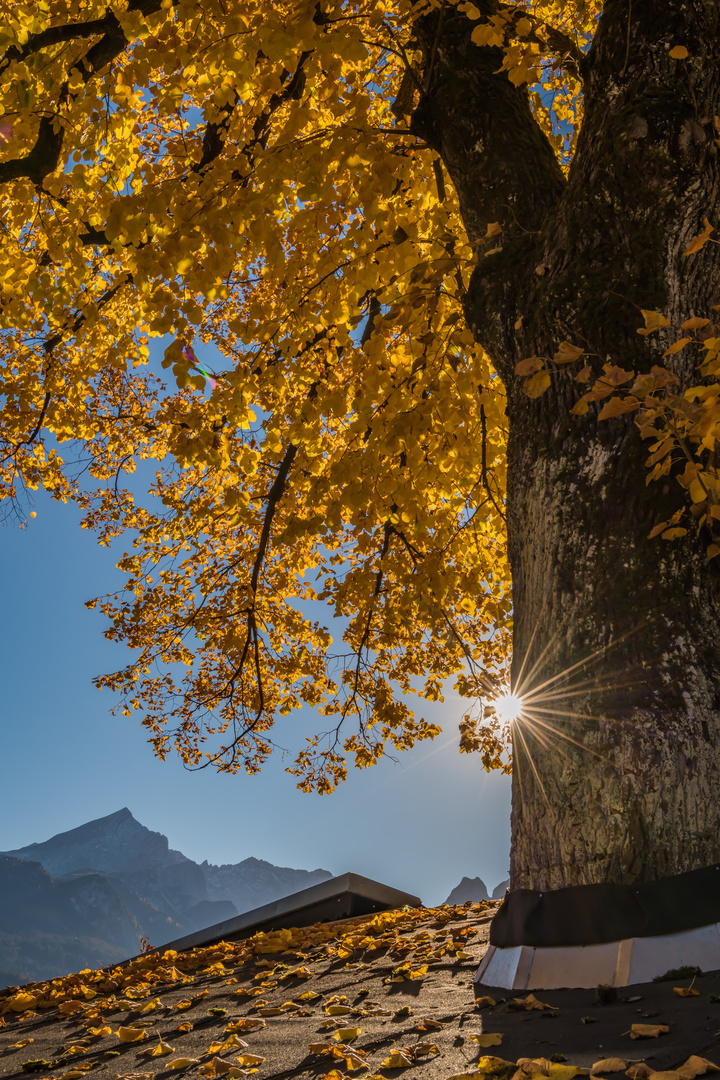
x=508, y=707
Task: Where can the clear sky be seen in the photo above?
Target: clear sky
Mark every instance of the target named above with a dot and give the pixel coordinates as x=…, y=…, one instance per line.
x=419, y=825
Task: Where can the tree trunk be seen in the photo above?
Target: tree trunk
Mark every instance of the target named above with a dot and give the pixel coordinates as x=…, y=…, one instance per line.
x=616, y=763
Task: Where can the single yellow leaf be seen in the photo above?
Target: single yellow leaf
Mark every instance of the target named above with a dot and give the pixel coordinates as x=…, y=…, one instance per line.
x=699, y=241
x=567, y=353
x=673, y=534
x=712, y=551
x=347, y=1034
x=490, y=1039
x=608, y=1065
x=688, y=991
x=696, y=1066
x=653, y=321
x=158, y=1051
x=131, y=1034
x=677, y=346
x=649, y=1031
x=182, y=1063
x=679, y=52
x=21, y=1001
x=537, y=385
x=249, y=1059
x=695, y=323
x=528, y=366
x=338, y=1010
x=399, y=1059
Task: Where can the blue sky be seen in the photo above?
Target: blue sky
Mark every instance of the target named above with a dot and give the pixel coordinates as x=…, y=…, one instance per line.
x=419, y=825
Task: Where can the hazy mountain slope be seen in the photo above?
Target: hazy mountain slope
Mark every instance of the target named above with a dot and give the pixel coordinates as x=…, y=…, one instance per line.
x=86, y=897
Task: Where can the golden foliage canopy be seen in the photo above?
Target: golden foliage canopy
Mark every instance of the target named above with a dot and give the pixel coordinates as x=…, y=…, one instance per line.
x=239, y=180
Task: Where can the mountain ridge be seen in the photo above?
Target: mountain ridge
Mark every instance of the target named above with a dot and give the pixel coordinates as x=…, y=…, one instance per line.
x=96, y=890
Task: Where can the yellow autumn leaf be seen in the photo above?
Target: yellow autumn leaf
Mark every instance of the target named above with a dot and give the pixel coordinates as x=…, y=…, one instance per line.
x=489, y=1039
x=158, y=1051
x=485, y=1002
x=697, y=494
x=537, y=385
x=182, y=1063
x=694, y=323
x=187, y=1026
x=649, y=1031
x=246, y=1023
x=338, y=1010
x=347, y=1034
x=698, y=242
x=100, y=1032
x=21, y=1001
x=677, y=346
x=679, y=52
x=21, y=1044
x=398, y=1059
x=712, y=551
x=696, y=1066
x=249, y=1059
x=654, y=320
x=563, y=1072
x=618, y=407
x=529, y=365
x=567, y=353
x=608, y=1065
x=131, y=1034
x=319, y=1047
x=228, y=1044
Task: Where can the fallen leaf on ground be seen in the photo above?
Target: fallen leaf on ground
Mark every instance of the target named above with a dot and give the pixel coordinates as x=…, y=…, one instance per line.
x=347, y=1034
x=528, y=1003
x=696, y=1066
x=158, y=1051
x=426, y=1024
x=229, y=1043
x=182, y=1063
x=533, y=1067
x=19, y=1045
x=249, y=1059
x=131, y=1034
x=484, y=1002
x=421, y=1049
x=646, y=1031
x=491, y=1039
x=608, y=1065
x=399, y=1059
x=638, y=1072
x=685, y=991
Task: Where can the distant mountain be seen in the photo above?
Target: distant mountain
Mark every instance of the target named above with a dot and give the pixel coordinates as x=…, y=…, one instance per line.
x=475, y=889
x=86, y=897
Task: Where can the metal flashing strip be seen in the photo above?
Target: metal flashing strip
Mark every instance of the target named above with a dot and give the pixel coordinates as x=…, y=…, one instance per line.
x=616, y=963
x=339, y=898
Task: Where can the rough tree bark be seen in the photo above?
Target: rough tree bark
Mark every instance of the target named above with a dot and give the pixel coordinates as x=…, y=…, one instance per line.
x=636, y=795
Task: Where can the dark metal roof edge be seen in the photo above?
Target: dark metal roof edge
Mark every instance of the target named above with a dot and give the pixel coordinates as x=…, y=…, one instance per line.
x=249, y=922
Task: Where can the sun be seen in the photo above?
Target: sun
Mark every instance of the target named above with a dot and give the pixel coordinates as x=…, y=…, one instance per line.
x=508, y=707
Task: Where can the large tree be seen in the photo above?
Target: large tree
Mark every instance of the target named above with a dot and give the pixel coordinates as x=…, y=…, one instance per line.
x=432, y=281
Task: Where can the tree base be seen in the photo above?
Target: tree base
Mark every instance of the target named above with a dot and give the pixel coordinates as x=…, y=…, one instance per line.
x=613, y=963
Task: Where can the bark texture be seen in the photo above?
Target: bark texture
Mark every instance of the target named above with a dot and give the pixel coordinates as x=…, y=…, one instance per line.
x=616, y=775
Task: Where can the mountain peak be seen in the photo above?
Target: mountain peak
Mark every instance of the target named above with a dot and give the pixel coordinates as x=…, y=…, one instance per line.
x=114, y=843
